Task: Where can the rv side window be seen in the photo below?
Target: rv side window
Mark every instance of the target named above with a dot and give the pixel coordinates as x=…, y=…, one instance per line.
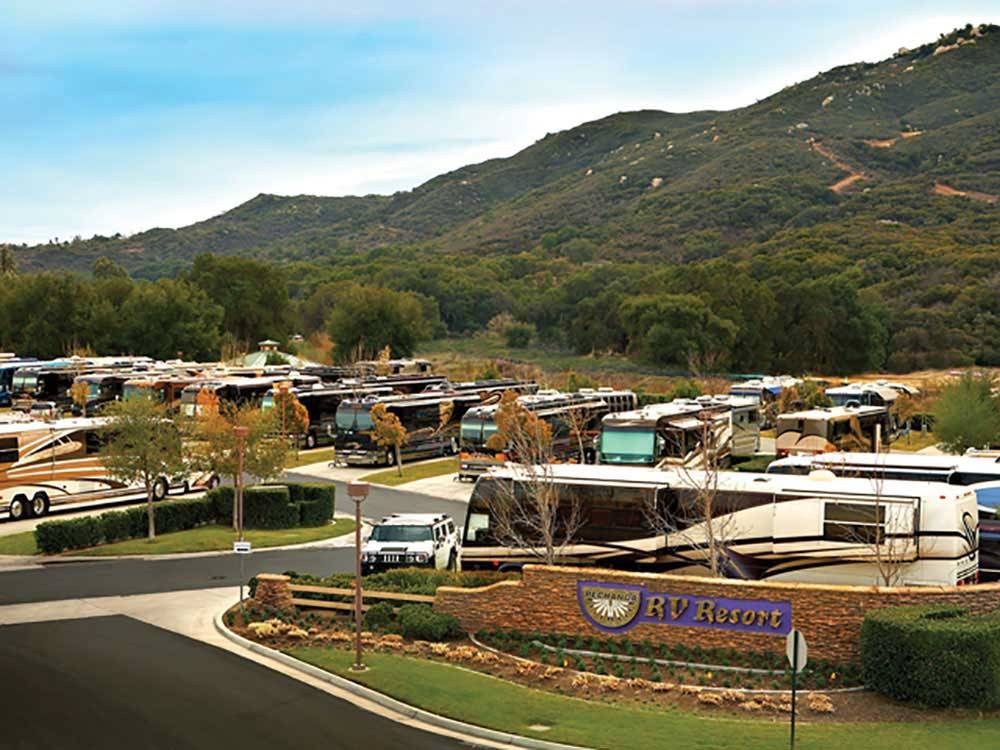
x=8, y=450
x=856, y=523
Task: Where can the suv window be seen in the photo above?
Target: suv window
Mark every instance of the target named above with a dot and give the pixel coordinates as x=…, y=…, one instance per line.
x=401, y=533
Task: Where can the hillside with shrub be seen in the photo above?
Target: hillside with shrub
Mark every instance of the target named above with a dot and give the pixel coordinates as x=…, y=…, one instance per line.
x=847, y=222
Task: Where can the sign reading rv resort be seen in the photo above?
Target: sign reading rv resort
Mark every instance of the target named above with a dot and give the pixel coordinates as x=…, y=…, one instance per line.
x=617, y=607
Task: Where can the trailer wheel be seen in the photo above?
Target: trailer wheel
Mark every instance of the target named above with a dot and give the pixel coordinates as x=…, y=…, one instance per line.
x=39, y=505
x=18, y=508
x=160, y=489
x=390, y=458
x=213, y=482
x=310, y=440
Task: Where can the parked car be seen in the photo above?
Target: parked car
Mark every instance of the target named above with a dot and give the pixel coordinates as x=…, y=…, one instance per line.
x=44, y=410
x=426, y=540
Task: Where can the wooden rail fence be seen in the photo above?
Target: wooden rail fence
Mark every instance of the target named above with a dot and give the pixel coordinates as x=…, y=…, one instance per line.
x=297, y=588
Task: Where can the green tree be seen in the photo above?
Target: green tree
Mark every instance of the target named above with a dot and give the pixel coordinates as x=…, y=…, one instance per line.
x=8, y=266
x=143, y=447
x=678, y=330
x=105, y=268
x=365, y=320
x=519, y=334
x=967, y=414
x=253, y=295
x=168, y=318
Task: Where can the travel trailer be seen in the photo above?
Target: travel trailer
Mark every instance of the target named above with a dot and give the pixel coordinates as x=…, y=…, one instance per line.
x=816, y=529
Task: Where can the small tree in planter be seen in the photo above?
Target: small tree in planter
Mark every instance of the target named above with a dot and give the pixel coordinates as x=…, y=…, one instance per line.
x=143, y=446
x=216, y=447
x=79, y=392
x=389, y=432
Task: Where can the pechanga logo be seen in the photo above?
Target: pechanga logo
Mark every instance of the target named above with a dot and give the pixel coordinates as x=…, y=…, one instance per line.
x=615, y=607
x=609, y=605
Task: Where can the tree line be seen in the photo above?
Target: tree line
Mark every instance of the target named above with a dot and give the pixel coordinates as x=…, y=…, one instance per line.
x=714, y=315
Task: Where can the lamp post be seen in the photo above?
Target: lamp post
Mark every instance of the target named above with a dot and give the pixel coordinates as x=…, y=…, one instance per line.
x=357, y=491
x=241, y=433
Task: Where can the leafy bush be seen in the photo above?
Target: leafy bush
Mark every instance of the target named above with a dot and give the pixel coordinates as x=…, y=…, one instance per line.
x=315, y=502
x=421, y=622
x=53, y=537
x=379, y=616
x=269, y=507
x=410, y=580
x=934, y=655
x=222, y=503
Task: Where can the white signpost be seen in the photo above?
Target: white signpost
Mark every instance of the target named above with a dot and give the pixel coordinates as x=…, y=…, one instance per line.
x=241, y=548
x=798, y=655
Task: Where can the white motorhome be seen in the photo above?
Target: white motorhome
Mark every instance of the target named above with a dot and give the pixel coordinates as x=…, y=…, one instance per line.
x=673, y=433
x=818, y=528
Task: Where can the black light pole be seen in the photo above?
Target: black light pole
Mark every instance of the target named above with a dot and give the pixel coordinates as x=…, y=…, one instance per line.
x=357, y=491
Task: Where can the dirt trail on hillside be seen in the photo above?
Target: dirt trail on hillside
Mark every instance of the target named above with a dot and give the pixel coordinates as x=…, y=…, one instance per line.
x=941, y=189
x=855, y=175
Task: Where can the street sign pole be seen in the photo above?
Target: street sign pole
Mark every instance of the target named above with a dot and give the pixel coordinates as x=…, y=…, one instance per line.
x=797, y=653
x=357, y=491
x=795, y=673
x=241, y=548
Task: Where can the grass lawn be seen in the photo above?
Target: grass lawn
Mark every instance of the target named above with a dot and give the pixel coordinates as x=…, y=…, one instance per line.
x=480, y=699
x=203, y=539
x=309, y=457
x=18, y=544
x=391, y=478
x=915, y=441
x=754, y=464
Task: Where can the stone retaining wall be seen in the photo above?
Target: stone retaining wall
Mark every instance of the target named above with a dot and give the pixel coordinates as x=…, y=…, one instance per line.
x=829, y=617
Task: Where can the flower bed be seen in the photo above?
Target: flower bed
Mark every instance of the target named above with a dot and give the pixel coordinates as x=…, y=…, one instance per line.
x=622, y=658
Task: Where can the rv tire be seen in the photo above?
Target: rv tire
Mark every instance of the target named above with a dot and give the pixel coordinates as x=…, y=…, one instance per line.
x=310, y=440
x=18, y=508
x=160, y=489
x=39, y=505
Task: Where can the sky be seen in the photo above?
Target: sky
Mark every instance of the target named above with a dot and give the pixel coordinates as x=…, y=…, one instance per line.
x=121, y=115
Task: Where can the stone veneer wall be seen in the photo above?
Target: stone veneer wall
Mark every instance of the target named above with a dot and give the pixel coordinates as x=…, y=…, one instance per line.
x=830, y=617
x=272, y=591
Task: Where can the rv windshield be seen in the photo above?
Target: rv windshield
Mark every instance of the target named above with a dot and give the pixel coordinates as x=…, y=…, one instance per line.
x=477, y=430
x=353, y=417
x=25, y=382
x=628, y=446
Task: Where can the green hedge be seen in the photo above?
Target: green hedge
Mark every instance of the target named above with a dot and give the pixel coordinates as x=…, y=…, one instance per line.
x=269, y=507
x=315, y=502
x=933, y=655
x=266, y=507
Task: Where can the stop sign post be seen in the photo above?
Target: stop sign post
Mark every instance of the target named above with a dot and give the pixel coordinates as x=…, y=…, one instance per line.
x=797, y=653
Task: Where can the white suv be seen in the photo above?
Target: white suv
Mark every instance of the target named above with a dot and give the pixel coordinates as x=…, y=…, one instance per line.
x=402, y=540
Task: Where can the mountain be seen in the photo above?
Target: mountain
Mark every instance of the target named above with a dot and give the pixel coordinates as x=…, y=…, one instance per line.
x=869, y=143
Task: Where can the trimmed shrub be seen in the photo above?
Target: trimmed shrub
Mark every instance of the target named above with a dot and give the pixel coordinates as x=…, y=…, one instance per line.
x=222, y=503
x=53, y=537
x=379, y=616
x=268, y=507
x=182, y=515
x=420, y=622
x=933, y=655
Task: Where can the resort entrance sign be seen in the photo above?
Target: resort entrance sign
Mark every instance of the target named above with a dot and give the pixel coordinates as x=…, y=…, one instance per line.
x=618, y=607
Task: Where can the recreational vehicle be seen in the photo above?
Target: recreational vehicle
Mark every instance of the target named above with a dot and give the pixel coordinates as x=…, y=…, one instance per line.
x=817, y=529
x=840, y=428
x=48, y=464
x=431, y=420
x=574, y=418
x=981, y=475
x=321, y=402
x=674, y=433
x=9, y=364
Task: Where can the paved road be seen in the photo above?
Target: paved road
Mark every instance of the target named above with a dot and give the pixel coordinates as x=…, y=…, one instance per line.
x=113, y=682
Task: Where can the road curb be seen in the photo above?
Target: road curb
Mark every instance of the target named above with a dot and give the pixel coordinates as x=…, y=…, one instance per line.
x=404, y=710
